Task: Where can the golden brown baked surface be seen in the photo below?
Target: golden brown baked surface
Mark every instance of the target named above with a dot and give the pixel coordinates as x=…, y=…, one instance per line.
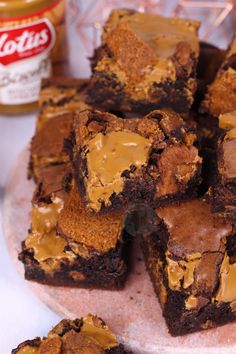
x=92, y=232
x=143, y=58
x=221, y=95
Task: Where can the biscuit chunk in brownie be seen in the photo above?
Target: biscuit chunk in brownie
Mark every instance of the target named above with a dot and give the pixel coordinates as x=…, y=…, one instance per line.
x=47, y=145
x=126, y=161
x=67, y=246
x=223, y=192
x=221, y=95
x=190, y=256
x=88, y=335
x=145, y=62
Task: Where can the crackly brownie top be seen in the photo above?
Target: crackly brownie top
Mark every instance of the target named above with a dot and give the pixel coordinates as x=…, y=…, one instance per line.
x=195, y=247
x=48, y=141
x=142, y=49
x=90, y=232
x=227, y=157
x=221, y=97
x=113, y=147
x=89, y=335
x=192, y=228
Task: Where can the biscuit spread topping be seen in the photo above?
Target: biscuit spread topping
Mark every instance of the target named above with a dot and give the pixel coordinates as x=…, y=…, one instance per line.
x=227, y=289
x=108, y=157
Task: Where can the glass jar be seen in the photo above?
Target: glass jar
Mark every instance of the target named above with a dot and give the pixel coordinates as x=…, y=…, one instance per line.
x=32, y=46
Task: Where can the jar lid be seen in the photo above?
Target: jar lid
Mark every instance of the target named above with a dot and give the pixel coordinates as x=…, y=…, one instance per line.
x=19, y=8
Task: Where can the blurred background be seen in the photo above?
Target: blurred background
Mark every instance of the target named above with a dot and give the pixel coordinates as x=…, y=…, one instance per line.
x=85, y=19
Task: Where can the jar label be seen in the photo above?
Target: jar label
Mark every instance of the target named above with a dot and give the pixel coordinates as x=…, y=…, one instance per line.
x=25, y=60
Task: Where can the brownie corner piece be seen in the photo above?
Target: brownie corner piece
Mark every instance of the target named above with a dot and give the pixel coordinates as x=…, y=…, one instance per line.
x=140, y=67
x=190, y=256
x=126, y=161
x=89, y=334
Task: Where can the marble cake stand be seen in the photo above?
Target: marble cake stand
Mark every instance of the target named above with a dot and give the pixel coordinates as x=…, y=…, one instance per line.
x=133, y=313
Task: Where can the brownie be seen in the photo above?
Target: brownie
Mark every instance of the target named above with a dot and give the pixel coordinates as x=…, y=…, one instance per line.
x=145, y=62
x=210, y=60
x=88, y=335
x=66, y=246
x=223, y=192
x=221, y=94
x=128, y=161
x=60, y=95
x=190, y=256
x=47, y=145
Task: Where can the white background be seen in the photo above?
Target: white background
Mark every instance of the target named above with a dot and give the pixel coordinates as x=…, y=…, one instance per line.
x=22, y=315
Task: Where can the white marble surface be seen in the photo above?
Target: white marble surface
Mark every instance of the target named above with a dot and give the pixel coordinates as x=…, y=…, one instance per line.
x=22, y=315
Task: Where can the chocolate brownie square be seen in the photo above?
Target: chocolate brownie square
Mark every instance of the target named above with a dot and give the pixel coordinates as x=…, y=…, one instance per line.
x=47, y=145
x=88, y=335
x=190, y=256
x=145, y=62
x=221, y=95
x=125, y=161
x=67, y=246
x=223, y=192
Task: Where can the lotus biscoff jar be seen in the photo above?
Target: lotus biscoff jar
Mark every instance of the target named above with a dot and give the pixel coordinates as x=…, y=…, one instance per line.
x=32, y=47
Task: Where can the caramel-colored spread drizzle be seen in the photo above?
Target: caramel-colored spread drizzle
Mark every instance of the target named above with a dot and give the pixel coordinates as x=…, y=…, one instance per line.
x=231, y=134
x=108, y=156
x=28, y=350
x=181, y=270
x=227, y=289
x=99, y=333
x=162, y=34
x=43, y=238
x=191, y=302
x=94, y=337
x=227, y=120
x=47, y=245
x=44, y=218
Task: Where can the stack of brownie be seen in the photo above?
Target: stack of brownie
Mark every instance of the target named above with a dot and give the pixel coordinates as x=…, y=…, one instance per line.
x=133, y=139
